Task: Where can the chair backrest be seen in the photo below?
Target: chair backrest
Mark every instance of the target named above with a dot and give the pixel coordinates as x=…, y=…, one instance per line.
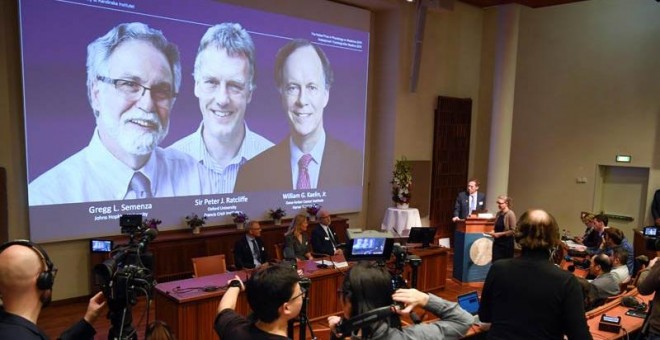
x=209, y=265
x=278, y=251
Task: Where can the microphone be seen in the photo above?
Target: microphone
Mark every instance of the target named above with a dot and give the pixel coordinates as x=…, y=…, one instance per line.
x=322, y=256
x=148, y=236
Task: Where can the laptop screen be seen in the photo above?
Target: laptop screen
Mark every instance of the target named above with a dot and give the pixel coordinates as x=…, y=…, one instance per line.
x=469, y=302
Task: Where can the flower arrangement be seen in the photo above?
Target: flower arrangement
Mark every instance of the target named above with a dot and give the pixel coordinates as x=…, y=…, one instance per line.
x=151, y=223
x=277, y=214
x=401, y=181
x=194, y=221
x=313, y=209
x=239, y=217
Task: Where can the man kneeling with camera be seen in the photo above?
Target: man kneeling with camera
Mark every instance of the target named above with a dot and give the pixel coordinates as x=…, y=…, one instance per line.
x=369, y=305
x=274, y=295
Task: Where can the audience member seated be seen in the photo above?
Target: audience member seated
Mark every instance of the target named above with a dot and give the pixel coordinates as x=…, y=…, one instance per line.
x=249, y=251
x=368, y=286
x=275, y=297
x=324, y=239
x=159, y=330
x=589, y=294
x=614, y=238
x=619, y=258
x=26, y=281
x=296, y=244
x=593, y=240
x=606, y=282
x=588, y=220
x=651, y=285
x=528, y=297
x=642, y=265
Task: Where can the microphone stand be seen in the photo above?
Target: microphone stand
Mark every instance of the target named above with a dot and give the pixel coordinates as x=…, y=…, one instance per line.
x=304, y=322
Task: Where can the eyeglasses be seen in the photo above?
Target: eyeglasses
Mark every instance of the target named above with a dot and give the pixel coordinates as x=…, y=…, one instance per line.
x=302, y=292
x=501, y=202
x=162, y=94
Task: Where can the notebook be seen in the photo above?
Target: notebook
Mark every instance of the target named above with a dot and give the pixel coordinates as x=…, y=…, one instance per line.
x=469, y=302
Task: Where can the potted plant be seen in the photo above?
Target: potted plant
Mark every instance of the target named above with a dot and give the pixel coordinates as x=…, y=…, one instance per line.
x=312, y=211
x=239, y=218
x=151, y=223
x=401, y=182
x=195, y=222
x=277, y=214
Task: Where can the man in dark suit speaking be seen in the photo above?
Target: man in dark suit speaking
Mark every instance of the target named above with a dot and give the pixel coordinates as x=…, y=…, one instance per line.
x=308, y=158
x=469, y=201
x=249, y=251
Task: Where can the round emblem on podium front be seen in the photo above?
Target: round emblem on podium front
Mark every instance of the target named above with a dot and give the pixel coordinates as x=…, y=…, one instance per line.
x=481, y=251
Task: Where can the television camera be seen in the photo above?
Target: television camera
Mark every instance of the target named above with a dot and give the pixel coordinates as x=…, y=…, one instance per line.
x=126, y=275
x=378, y=246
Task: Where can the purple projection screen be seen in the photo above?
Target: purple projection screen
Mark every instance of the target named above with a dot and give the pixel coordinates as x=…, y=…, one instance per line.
x=74, y=193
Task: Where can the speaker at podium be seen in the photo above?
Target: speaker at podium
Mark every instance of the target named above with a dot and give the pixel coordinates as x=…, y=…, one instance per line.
x=472, y=249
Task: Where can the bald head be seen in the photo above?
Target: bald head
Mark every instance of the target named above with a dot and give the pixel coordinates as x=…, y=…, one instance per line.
x=19, y=267
x=537, y=229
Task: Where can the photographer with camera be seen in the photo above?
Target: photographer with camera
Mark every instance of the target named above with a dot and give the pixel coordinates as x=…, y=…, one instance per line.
x=369, y=307
x=26, y=281
x=274, y=295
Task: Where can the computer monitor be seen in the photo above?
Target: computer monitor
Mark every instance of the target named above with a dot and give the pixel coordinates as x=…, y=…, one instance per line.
x=651, y=231
x=368, y=245
x=423, y=235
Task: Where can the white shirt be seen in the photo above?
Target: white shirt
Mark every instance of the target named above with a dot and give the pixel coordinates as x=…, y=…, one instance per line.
x=251, y=238
x=94, y=174
x=313, y=168
x=622, y=273
x=329, y=236
x=222, y=179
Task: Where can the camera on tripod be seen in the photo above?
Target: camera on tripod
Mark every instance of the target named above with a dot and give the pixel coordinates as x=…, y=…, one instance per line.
x=127, y=274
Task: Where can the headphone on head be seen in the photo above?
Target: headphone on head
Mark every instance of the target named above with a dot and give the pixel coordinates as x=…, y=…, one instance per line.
x=47, y=277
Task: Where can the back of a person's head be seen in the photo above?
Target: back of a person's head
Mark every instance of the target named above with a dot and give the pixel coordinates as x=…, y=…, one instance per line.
x=159, y=330
x=620, y=254
x=614, y=234
x=641, y=260
x=604, y=262
x=369, y=286
x=537, y=229
x=268, y=288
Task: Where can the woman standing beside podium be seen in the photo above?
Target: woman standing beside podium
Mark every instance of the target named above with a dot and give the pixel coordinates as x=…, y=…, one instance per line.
x=505, y=221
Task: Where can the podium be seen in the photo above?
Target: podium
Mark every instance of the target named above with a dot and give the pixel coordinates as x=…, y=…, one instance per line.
x=472, y=250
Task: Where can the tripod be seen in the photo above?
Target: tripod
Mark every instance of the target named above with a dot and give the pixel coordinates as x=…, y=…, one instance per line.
x=305, y=283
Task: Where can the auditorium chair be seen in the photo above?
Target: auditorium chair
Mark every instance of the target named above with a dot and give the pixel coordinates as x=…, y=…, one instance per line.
x=278, y=251
x=209, y=265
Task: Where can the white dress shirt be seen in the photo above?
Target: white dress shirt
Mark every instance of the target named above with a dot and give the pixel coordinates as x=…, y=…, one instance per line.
x=313, y=168
x=94, y=174
x=222, y=179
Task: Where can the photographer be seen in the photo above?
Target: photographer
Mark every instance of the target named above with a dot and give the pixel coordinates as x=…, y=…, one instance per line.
x=368, y=286
x=274, y=295
x=26, y=279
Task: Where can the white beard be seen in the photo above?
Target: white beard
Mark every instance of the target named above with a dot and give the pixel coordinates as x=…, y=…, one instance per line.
x=136, y=142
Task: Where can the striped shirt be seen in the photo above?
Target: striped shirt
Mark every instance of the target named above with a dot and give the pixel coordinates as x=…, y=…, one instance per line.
x=222, y=179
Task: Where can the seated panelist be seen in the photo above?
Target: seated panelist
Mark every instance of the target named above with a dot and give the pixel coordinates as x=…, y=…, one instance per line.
x=296, y=244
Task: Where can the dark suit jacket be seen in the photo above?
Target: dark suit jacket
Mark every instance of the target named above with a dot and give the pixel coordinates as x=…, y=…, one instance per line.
x=341, y=167
x=321, y=243
x=243, y=254
x=528, y=297
x=462, y=205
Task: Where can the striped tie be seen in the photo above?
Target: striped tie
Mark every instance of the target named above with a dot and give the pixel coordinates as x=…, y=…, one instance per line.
x=303, y=174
